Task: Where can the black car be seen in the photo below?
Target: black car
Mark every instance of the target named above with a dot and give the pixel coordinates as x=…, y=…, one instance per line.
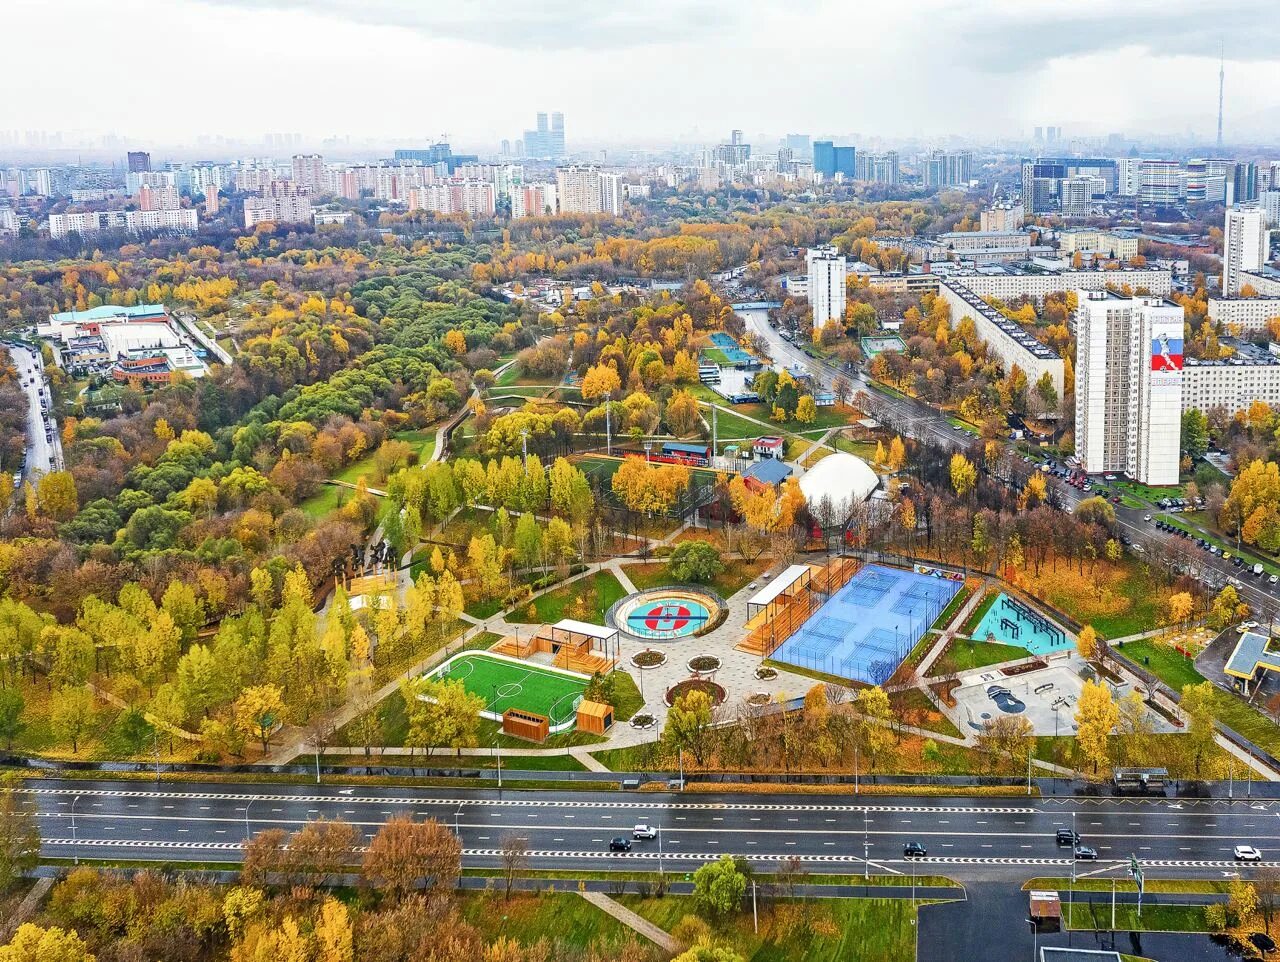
x=1068, y=837
x=1085, y=853
x=620, y=844
x=913, y=850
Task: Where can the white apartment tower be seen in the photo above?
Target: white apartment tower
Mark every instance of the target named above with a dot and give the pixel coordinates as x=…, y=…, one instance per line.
x=827, y=271
x=309, y=172
x=1244, y=246
x=1129, y=385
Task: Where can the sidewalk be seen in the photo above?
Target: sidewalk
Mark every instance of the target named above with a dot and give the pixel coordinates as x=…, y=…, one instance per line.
x=631, y=920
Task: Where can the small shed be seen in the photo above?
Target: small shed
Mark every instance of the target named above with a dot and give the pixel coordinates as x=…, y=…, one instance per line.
x=526, y=724
x=594, y=717
x=1046, y=910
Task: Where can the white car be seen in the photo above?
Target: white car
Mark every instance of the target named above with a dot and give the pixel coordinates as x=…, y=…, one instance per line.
x=644, y=831
x=1247, y=853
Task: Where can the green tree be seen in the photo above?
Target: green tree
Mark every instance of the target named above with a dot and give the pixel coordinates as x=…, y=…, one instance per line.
x=698, y=561
x=11, y=708
x=875, y=733
x=72, y=715
x=1195, y=433
x=688, y=726
x=718, y=887
x=19, y=833
x=705, y=950
x=1199, y=705
x=442, y=714
x=527, y=547
x=199, y=683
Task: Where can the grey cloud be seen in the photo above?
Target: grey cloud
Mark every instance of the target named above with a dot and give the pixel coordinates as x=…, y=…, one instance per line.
x=1025, y=36
x=525, y=25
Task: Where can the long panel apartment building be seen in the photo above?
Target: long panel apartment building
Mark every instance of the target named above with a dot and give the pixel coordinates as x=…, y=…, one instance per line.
x=1129, y=385
x=1005, y=338
x=1233, y=383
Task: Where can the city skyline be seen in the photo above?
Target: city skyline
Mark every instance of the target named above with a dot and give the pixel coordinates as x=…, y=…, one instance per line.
x=1138, y=71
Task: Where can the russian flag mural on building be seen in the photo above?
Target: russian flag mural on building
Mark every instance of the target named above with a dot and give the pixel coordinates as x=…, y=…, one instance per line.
x=1166, y=353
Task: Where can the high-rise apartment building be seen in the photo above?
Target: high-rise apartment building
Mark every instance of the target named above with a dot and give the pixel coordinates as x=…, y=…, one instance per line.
x=1077, y=194
x=533, y=200
x=1242, y=183
x=281, y=202
x=1128, y=176
x=1160, y=183
x=827, y=272
x=139, y=161
x=587, y=190
x=1129, y=385
x=611, y=194
x=947, y=168
x=158, y=198
x=799, y=146
x=309, y=172
x=1245, y=242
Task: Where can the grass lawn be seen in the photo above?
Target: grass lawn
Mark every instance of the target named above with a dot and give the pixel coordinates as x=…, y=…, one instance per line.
x=484, y=609
x=715, y=356
x=561, y=919
x=914, y=707
x=527, y=686
x=975, y=619
x=1155, y=918
x=354, y=471
x=869, y=930
x=424, y=441
x=627, y=699
x=1176, y=671
x=1156, y=886
x=591, y=595
x=954, y=605
x=736, y=575
x=324, y=502
x=731, y=427
x=963, y=655
x=863, y=449
x=1147, y=493
x=829, y=417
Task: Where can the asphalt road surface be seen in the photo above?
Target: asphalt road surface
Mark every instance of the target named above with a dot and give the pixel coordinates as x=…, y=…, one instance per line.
x=920, y=421
x=966, y=838
x=43, y=455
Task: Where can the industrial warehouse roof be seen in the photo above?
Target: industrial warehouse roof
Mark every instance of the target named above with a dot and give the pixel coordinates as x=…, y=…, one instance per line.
x=109, y=312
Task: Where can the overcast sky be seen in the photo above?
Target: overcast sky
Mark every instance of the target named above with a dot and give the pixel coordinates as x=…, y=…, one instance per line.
x=626, y=71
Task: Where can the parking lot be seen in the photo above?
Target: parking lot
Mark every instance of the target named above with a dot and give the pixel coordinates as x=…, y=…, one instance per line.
x=1047, y=698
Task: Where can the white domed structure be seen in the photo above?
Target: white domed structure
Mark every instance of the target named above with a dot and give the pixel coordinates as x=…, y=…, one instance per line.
x=842, y=478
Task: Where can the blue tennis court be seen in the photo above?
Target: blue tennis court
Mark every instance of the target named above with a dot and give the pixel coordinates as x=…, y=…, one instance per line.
x=865, y=629
x=732, y=352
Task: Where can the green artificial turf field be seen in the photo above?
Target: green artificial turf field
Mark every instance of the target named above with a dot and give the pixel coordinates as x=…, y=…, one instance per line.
x=506, y=684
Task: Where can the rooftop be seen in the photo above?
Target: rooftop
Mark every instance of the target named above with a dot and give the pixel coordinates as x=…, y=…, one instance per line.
x=110, y=312
x=1246, y=355
x=1011, y=328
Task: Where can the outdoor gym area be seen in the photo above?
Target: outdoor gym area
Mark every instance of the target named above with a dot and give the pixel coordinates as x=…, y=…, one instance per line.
x=1012, y=622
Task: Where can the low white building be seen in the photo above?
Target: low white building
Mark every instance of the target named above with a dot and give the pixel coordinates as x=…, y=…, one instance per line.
x=1006, y=339
x=1250, y=374
x=182, y=220
x=1244, y=315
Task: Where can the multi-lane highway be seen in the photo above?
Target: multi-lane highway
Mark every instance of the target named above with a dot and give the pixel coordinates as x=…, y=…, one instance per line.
x=918, y=420
x=964, y=837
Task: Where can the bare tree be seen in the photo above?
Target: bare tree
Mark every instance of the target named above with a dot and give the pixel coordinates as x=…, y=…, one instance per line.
x=515, y=858
x=1267, y=884
x=322, y=850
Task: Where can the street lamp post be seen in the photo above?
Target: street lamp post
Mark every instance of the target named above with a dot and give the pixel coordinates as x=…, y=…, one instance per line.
x=1071, y=892
x=1035, y=940
x=866, y=845
x=661, y=874
x=608, y=426
x=456, y=830
x=247, y=806
x=75, y=842
x=524, y=446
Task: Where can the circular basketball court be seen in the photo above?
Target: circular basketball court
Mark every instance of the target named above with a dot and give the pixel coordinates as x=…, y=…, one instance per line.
x=665, y=613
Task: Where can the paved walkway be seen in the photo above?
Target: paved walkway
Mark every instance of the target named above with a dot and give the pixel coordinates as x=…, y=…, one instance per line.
x=949, y=630
x=638, y=923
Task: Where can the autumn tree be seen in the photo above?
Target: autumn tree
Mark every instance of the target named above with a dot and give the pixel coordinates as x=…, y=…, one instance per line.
x=406, y=855
x=897, y=454
x=874, y=732
x=1087, y=643
x=601, y=379
x=964, y=476
x=72, y=715
x=32, y=943
x=719, y=886
x=1096, y=716
x=257, y=712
